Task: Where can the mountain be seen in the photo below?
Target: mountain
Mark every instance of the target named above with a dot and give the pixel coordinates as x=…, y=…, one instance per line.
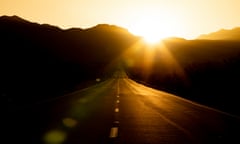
x=40, y=60
x=223, y=34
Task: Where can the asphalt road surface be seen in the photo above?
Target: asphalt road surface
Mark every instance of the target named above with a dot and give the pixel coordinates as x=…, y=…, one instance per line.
x=121, y=111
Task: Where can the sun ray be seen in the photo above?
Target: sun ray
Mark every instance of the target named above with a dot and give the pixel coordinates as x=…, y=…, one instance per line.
x=145, y=58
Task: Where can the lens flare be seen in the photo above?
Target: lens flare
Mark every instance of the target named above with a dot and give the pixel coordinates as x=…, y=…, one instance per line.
x=55, y=137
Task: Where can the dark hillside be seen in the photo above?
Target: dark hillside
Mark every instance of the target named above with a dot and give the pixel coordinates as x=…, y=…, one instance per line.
x=43, y=61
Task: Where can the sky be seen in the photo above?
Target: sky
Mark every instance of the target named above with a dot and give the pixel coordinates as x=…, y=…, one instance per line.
x=182, y=18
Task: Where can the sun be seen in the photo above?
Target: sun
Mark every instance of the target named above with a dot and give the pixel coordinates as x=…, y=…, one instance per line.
x=152, y=28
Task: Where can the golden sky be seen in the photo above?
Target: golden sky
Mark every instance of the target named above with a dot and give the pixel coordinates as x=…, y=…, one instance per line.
x=184, y=18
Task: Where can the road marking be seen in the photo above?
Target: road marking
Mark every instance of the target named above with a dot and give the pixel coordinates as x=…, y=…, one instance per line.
x=116, y=122
x=116, y=110
x=118, y=87
x=113, y=132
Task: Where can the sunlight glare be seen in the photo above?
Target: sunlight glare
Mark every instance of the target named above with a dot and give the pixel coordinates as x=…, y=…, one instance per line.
x=153, y=28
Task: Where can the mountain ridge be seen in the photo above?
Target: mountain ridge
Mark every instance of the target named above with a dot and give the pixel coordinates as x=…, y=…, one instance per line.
x=15, y=18
x=222, y=34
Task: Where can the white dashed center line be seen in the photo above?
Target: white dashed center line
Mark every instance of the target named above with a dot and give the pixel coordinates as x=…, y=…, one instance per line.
x=116, y=110
x=113, y=132
x=114, y=129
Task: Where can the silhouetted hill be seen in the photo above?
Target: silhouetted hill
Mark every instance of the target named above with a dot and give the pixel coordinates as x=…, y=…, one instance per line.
x=223, y=34
x=40, y=61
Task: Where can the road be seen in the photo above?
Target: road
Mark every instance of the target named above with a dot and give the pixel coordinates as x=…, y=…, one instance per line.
x=121, y=111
